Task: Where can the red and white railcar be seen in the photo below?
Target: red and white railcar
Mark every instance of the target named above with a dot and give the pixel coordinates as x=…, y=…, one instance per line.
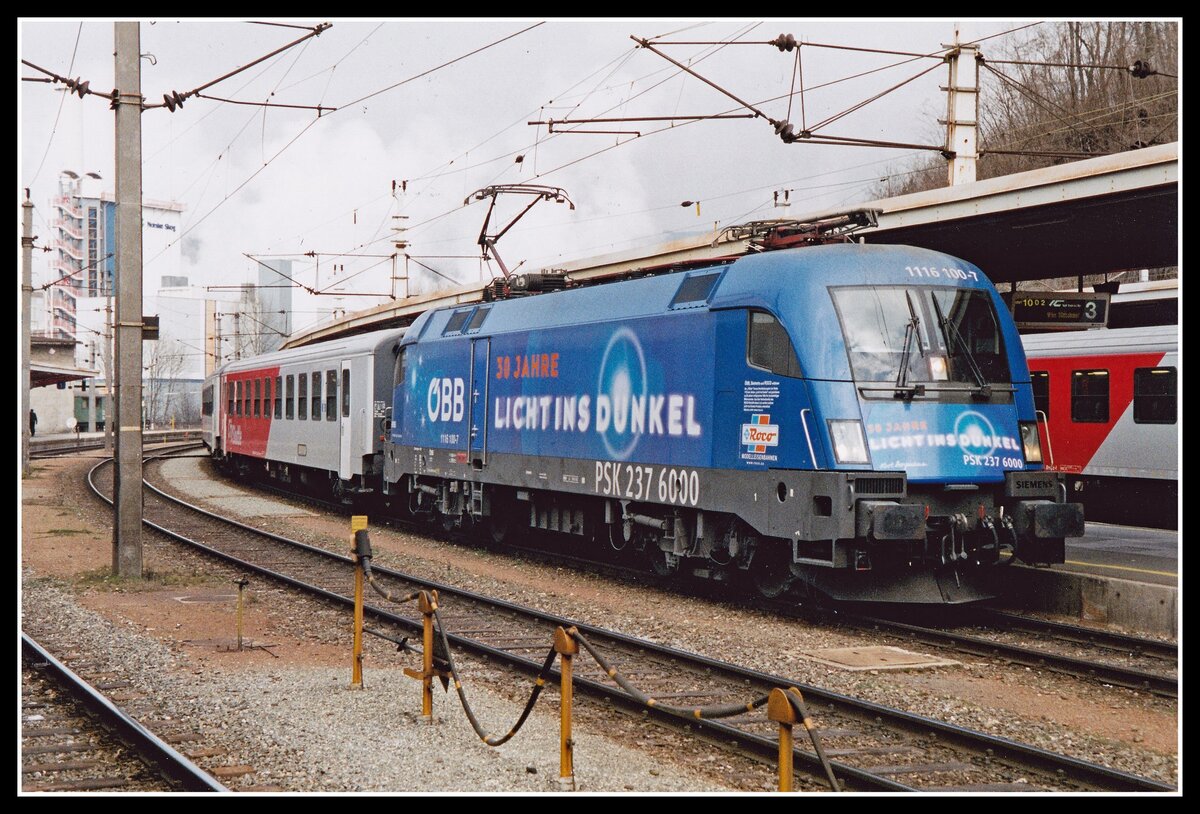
x=1108, y=414
x=312, y=415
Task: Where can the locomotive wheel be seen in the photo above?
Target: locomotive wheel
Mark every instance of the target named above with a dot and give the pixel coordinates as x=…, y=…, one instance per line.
x=771, y=571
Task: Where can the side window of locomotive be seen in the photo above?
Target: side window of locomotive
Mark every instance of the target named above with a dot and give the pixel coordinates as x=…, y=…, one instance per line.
x=1154, y=391
x=456, y=322
x=279, y=397
x=302, y=397
x=291, y=397
x=316, y=395
x=345, y=391
x=768, y=345
x=1041, y=391
x=331, y=395
x=1089, y=396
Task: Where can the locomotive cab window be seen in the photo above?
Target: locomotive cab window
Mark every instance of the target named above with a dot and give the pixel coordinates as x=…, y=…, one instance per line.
x=937, y=334
x=1089, y=396
x=768, y=345
x=1041, y=391
x=1154, y=390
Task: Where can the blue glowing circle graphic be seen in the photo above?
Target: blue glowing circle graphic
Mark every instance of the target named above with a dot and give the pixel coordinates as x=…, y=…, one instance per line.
x=977, y=431
x=622, y=376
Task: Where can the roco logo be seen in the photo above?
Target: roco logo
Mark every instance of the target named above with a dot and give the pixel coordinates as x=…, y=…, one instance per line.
x=444, y=401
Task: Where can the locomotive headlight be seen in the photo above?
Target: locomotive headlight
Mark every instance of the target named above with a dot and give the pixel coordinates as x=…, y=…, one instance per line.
x=849, y=442
x=1031, y=442
x=937, y=368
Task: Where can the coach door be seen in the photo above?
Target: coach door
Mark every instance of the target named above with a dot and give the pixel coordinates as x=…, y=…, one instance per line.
x=477, y=434
x=346, y=421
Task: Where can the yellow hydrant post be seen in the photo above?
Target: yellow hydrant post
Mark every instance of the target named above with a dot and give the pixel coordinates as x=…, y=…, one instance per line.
x=780, y=710
x=358, y=522
x=567, y=648
x=427, y=604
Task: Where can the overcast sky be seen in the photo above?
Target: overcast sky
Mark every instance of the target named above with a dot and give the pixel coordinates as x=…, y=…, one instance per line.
x=282, y=182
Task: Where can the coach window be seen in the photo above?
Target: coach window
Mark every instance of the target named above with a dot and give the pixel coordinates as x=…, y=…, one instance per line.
x=1154, y=391
x=302, y=398
x=291, y=397
x=345, y=391
x=1089, y=396
x=231, y=396
x=246, y=397
x=279, y=397
x=316, y=395
x=238, y=398
x=1041, y=390
x=258, y=398
x=768, y=345
x=206, y=401
x=331, y=395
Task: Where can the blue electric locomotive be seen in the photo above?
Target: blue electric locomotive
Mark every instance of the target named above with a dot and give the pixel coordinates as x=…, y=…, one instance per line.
x=852, y=421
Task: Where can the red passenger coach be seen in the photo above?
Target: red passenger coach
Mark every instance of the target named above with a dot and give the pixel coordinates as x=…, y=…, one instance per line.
x=314, y=417
x=1107, y=402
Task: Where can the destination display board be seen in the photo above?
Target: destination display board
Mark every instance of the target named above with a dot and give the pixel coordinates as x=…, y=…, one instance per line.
x=1067, y=310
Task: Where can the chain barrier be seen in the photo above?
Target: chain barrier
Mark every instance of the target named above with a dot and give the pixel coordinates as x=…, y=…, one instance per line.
x=785, y=707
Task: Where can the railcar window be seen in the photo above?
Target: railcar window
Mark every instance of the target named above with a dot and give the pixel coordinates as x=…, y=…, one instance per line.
x=206, y=401
x=302, y=398
x=246, y=397
x=231, y=397
x=1089, y=396
x=477, y=318
x=768, y=345
x=258, y=398
x=695, y=289
x=1154, y=390
x=1041, y=391
x=279, y=397
x=239, y=397
x=457, y=319
x=345, y=391
x=291, y=397
x=316, y=395
x=331, y=395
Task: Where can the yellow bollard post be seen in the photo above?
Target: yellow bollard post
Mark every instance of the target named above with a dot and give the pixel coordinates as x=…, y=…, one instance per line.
x=780, y=710
x=567, y=648
x=427, y=605
x=358, y=522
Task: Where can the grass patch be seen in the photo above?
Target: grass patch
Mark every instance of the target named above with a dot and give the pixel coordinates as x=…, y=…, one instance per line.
x=65, y=532
x=103, y=579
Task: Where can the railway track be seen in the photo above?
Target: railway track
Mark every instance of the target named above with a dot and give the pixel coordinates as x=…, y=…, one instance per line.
x=1106, y=657
x=74, y=738
x=874, y=747
x=51, y=448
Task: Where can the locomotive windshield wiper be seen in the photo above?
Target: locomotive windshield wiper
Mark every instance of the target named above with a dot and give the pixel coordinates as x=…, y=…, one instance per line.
x=903, y=388
x=950, y=332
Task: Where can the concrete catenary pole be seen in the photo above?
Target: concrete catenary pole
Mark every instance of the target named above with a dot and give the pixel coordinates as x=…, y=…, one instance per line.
x=127, y=497
x=962, y=119
x=27, y=239
x=110, y=382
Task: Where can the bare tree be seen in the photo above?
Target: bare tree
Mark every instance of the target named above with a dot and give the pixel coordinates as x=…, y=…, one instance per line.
x=162, y=361
x=1108, y=87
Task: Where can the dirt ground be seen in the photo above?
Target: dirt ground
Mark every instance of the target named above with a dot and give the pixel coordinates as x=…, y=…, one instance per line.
x=66, y=535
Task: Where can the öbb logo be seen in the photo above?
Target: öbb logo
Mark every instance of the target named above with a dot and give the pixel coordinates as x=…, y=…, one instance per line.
x=444, y=401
